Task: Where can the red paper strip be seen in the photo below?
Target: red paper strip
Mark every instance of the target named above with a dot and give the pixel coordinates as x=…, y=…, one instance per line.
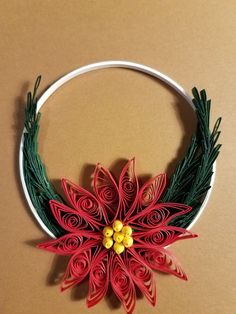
x=106, y=191
x=98, y=278
x=128, y=189
x=152, y=190
x=79, y=266
x=122, y=283
x=69, y=243
x=141, y=275
x=160, y=259
x=163, y=236
x=84, y=202
x=157, y=215
x=69, y=219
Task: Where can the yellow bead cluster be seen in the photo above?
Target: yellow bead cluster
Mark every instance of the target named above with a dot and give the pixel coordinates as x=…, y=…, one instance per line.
x=118, y=236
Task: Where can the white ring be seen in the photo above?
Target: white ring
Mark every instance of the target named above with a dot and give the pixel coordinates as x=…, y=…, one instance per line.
x=92, y=67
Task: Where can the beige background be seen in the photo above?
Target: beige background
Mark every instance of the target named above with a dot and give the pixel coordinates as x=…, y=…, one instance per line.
x=113, y=114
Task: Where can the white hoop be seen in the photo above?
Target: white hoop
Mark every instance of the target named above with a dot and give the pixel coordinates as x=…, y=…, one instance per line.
x=92, y=67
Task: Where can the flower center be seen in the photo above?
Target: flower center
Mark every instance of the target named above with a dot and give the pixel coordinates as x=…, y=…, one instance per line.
x=117, y=237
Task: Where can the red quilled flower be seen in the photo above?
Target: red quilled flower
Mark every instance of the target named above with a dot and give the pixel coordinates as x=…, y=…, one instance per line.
x=94, y=222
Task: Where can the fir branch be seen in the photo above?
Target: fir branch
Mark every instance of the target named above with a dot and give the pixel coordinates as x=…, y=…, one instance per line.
x=191, y=180
x=37, y=183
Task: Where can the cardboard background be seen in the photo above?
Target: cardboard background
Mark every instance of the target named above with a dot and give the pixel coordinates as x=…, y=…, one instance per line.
x=112, y=114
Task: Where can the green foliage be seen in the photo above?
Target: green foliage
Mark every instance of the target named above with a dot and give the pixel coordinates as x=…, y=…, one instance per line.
x=191, y=179
x=38, y=185
x=188, y=184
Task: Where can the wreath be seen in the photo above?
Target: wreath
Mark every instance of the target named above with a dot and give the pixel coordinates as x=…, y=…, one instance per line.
x=119, y=233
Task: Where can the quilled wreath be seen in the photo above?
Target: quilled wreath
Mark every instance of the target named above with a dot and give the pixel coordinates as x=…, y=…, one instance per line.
x=117, y=235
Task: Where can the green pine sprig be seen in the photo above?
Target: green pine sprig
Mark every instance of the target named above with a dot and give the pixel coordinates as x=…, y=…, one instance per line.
x=40, y=189
x=191, y=179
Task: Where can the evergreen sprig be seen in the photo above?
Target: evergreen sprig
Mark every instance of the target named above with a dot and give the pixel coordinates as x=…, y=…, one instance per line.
x=191, y=179
x=188, y=184
x=39, y=187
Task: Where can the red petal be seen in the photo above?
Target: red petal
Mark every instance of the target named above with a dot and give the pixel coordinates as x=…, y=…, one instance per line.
x=152, y=190
x=128, y=189
x=142, y=275
x=84, y=202
x=70, y=219
x=158, y=215
x=160, y=259
x=106, y=190
x=163, y=236
x=122, y=283
x=99, y=278
x=69, y=243
x=79, y=266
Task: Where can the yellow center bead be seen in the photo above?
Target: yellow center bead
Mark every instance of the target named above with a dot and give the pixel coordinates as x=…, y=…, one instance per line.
x=107, y=242
x=128, y=241
x=108, y=231
x=126, y=230
x=118, y=248
x=117, y=225
x=118, y=237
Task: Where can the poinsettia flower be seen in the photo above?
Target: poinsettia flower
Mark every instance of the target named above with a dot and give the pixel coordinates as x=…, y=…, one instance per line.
x=117, y=235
